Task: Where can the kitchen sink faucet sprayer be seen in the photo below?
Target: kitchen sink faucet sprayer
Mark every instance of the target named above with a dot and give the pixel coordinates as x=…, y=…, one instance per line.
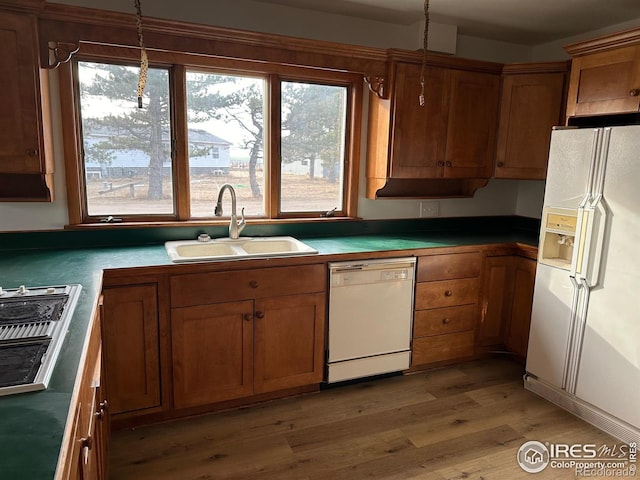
x=235, y=227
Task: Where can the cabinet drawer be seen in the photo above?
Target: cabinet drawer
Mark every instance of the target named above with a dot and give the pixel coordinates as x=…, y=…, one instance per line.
x=446, y=267
x=442, y=347
x=437, y=321
x=213, y=287
x=447, y=293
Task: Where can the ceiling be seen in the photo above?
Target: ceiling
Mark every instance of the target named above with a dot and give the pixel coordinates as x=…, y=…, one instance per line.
x=527, y=22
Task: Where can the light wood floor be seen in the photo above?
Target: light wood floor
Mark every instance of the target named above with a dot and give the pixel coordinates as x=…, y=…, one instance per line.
x=461, y=422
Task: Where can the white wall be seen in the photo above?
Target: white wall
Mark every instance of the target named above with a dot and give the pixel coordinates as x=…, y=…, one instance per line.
x=554, y=51
x=498, y=198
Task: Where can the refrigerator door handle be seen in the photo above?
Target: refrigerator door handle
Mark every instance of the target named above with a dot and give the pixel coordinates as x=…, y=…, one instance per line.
x=594, y=245
x=578, y=337
x=572, y=324
x=578, y=249
x=597, y=213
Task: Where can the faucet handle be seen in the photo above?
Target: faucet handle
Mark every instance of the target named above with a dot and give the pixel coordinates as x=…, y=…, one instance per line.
x=243, y=222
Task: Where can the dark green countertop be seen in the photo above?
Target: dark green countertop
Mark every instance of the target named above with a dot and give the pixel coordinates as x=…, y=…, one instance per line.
x=32, y=424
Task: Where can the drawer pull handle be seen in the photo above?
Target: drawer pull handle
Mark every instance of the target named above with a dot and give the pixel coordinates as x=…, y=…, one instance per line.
x=449, y=164
x=259, y=314
x=445, y=321
x=448, y=293
x=634, y=92
x=501, y=164
x=248, y=317
x=441, y=163
x=253, y=284
x=32, y=152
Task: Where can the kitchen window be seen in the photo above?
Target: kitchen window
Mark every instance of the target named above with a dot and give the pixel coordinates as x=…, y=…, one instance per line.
x=285, y=137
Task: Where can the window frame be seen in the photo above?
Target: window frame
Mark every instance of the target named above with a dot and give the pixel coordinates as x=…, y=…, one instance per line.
x=178, y=64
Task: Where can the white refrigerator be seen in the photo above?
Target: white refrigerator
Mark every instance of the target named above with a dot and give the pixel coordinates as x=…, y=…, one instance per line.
x=584, y=343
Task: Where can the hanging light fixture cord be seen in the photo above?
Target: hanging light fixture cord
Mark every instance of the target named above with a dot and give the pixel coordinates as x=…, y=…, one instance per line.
x=144, y=61
x=424, y=51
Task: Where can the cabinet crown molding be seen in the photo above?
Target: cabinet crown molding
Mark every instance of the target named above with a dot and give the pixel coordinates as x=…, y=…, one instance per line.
x=605, y=42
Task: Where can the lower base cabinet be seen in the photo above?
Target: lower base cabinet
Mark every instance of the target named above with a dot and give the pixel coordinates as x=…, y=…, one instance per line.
x=212, y=349
x=507, y=297
x=231, y=350
x=248, y=332
x=131, y=347
x=517, y=330
x=87, y=452
x=446, y=307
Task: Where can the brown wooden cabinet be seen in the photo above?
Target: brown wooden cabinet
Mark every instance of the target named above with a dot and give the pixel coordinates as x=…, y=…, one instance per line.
x=517, y=331
x=212, y=350
x=507, y=297
x=268, y=335
x=451, y=137
x=26, y=163
x=446, y=305
x=497, y=295
x=131, y=347
x=85, y=456
x=605, y=75
x=532, y=102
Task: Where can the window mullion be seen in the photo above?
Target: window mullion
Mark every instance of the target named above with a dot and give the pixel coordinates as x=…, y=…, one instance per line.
x=273, y=139
x=180, y=150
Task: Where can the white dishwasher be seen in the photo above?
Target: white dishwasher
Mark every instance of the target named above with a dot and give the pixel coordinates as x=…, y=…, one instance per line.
x=370, y=317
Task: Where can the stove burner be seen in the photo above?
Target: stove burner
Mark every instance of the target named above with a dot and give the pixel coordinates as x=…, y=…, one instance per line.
x=31, y=309
x=15, y=312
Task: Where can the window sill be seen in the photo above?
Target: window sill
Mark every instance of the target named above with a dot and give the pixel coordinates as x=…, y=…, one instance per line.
x=209, y=223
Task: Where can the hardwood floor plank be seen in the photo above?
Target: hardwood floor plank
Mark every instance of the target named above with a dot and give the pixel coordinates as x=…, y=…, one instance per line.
x=409, y=462
x=461, y=422
x=311, y=438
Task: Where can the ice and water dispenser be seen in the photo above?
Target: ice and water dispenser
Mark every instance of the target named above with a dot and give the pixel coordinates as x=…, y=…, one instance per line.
x=557, y=237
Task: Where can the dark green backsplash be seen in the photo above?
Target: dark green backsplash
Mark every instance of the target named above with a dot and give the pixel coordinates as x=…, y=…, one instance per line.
x=157, y=235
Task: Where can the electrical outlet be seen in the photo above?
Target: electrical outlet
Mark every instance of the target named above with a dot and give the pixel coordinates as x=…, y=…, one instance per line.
x=429, y=209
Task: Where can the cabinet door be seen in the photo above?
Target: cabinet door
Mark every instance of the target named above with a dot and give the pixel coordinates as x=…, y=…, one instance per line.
x=20, y=122
x=212, y=349
x=419, y=133
x=472, y=122
x=289, y=341
x=518, y=330
x=497, y=291
x=131, y=347
x=531, y=105
x=605, y=82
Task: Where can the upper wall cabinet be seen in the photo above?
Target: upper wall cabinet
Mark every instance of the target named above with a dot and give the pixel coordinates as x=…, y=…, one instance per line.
x=450, y=139
x=605, y=75
x=25, y=145
x=531, y=104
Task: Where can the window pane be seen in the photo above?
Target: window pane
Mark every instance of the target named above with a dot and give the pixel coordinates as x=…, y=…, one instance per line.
x=226, y=141
x=127, y=150
x=313, y=140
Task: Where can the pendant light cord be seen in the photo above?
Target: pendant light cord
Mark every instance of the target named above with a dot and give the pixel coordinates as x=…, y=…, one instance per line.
x=144, y=61
x=424, y=51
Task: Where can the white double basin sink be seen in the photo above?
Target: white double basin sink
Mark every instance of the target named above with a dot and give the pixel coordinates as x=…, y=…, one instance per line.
x=235, y=249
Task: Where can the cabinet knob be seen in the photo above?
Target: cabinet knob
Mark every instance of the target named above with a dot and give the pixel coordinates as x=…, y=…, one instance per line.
x=449, y=164
x=248, y=317
x=253, y=284
x=501, y=164
x=86, y=442
x=634, y=92
x=441, y=163
x=445, y=321
x=259, y=314
x=448, y=293
x=32, y=152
